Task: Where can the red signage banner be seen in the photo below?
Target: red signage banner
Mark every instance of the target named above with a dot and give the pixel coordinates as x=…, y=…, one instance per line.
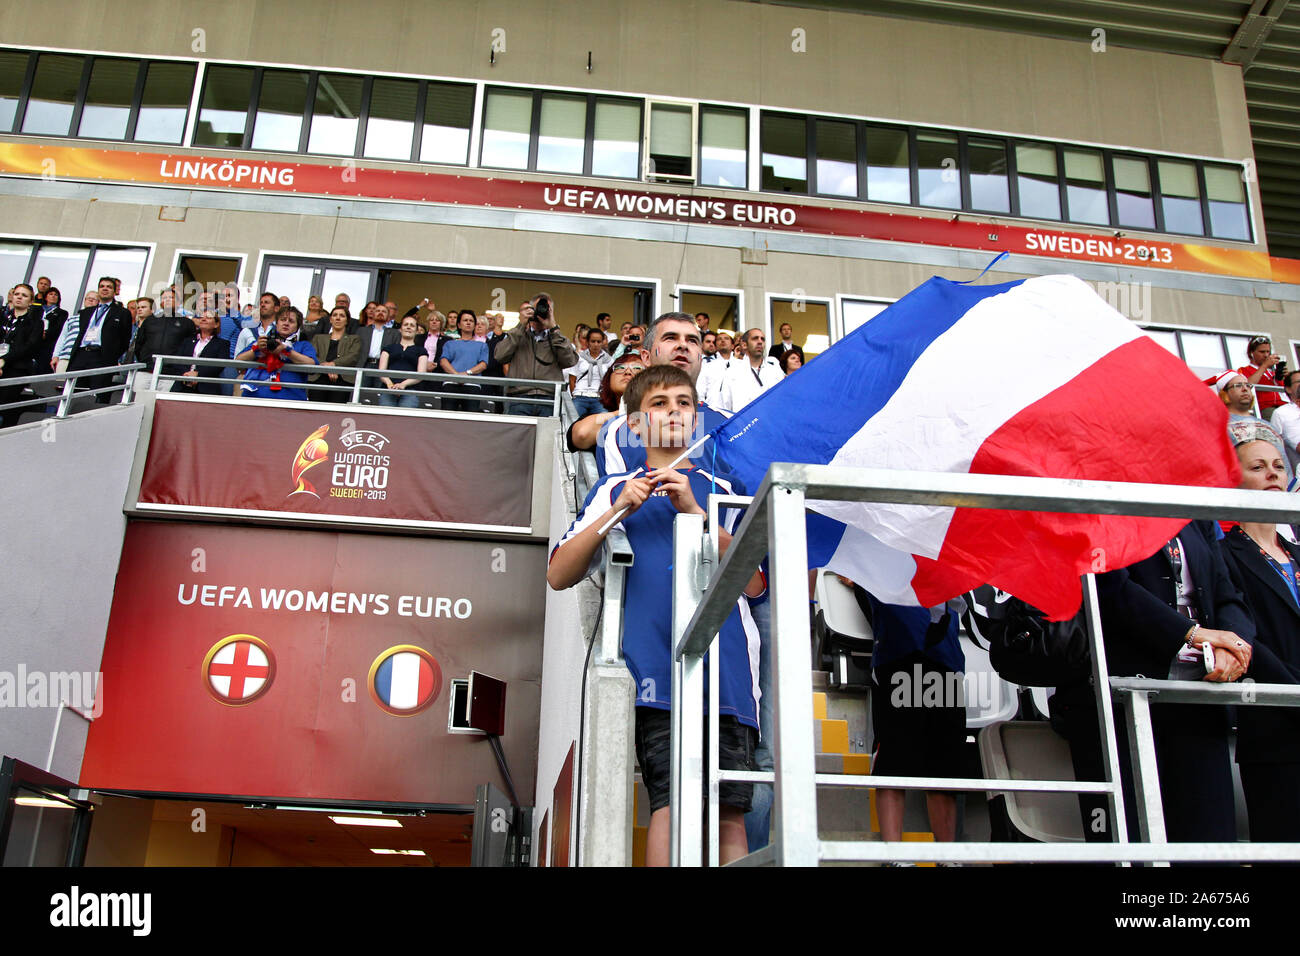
x=286, y=664
x=742, y=211
x=339, y=465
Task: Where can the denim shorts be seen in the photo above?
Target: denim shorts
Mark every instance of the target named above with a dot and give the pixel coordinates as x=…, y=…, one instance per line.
x=736, y=743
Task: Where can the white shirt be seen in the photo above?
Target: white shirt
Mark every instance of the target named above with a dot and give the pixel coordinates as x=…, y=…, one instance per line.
x=589, y=371
x=743, y=383
x=248, y=338
x=1286, y=421
x=709, y=383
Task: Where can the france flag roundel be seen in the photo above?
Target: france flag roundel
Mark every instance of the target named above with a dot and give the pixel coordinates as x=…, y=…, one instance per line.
x=405, y=680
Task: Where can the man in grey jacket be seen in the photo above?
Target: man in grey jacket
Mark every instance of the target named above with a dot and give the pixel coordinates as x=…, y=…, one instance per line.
x=535, y=349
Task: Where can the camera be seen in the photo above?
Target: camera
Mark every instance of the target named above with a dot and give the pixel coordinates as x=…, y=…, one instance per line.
x=1279, y=371
x=273, y=339
x=542, y=310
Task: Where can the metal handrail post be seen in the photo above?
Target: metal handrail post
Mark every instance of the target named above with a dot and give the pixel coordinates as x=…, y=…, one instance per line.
x=685, y=831
x=128, y=388
x=794, y=807
x=157, y=373
x=1105, y=711
x=1146, y=773
x=618, y=559
x=356, y=388
x=555, y=405
x=69, y=385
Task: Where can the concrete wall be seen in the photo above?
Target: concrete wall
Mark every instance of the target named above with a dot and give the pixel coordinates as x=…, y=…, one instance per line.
x=65, y=485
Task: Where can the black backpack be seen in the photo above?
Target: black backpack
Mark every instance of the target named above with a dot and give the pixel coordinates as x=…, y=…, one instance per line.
x=1024, y=647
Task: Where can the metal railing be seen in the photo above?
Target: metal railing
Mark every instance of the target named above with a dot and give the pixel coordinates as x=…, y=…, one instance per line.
x=357, y=389
x=66, y=390
x=774, y=526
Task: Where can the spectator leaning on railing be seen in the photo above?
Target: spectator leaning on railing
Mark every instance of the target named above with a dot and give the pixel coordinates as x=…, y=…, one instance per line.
x=202, y=343
x=278, y=351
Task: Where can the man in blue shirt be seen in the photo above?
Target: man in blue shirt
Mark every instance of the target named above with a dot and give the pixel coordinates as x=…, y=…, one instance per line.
x=464, y=356
x=653, y=494
x=270, y=380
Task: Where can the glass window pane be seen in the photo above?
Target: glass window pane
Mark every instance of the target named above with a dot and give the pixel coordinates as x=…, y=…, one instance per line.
x=54, y=90
x=617, y=139
x=336, y=116
x=355, y=283
x=784, y=152
x=65, y=265
x=1036, y=181
x=562, y=134
x=13, y=70
x=988, y=174
x=166, y=103
x=280, y=108
x=1133, y=193
x=1238, y=350
x=108, y=99
x=14, y=257
x=1085, y=187
x=1180, y=197
x=392, y=119
x=507, y=125
x=888, y=166
x=670, y=139
x=724, y=154
x=295, y=282
x=1227, y=195
x=1168, y=340
x=448, y=113
x=936, y=158
x=1204, y=352
x=858, y=312
x=223, y=114
x=124, y=264
x=837, y=158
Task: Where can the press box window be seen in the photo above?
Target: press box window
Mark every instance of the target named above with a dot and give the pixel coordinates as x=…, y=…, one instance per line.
x=562, y=133
x=987, y=164
x=616, y=143
x=836, y=149
x=670, y=142
x=1038, y=188
x=107, y=109
x=13, y=73
x=390, y=125
x=223, y=112
x=1180, y=197
x=724, y=147
x=53, y=95
x=1227, y=201
x=938, y=176
x=889, y=165
x=336, y=115
x=1133, y=203
x=507, y=126
x=448, y=116
x=783, y=146
x=281, y=105
x=1085, y=187
x=165, y=103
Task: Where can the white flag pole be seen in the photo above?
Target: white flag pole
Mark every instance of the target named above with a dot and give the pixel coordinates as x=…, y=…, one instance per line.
x=677, y=461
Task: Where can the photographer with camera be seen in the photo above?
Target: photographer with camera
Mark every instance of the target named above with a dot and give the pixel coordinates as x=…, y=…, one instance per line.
x=536, y=349
x=1266, y=368
x=276, y=348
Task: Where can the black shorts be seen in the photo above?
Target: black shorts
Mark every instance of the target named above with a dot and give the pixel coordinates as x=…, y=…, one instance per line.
x=736, y=745
x=918, y=714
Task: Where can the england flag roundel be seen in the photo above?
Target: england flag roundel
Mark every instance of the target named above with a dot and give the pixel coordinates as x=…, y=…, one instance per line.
x=238, y=669
x=405, y=679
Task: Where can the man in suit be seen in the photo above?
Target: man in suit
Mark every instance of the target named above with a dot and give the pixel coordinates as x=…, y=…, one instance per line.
x=375, y=337
x=103, y=334
x=162, y=333
x=786, y=344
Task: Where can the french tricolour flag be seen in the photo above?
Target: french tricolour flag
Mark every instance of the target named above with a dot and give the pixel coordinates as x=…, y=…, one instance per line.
x=405, y=681
x=1038, y=377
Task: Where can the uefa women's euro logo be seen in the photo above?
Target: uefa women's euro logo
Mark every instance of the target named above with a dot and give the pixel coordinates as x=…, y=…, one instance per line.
x=359, y=469
x=311, y=453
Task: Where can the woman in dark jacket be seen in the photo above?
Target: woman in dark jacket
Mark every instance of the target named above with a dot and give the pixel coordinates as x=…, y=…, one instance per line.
x=336, y=347
x=21, y=330
x=1265, y=566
